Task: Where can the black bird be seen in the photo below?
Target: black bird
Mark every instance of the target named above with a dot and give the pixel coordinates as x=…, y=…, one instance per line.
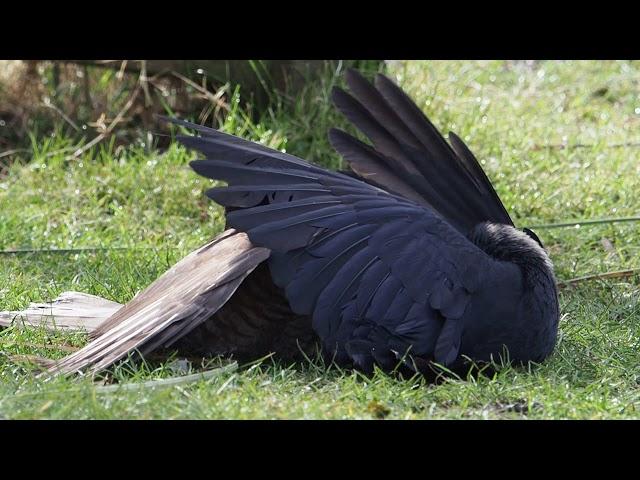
x=409, y=260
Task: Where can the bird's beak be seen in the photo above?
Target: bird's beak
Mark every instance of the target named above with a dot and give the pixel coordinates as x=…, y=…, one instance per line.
x=531, y=234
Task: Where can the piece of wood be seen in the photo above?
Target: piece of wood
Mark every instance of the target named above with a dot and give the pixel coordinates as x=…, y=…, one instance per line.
x=600, y=276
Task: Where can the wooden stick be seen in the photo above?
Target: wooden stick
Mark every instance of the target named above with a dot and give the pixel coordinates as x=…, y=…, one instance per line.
x=586, y=222
x=6, y=153
x=562, y=146
x=40, y=363
x=19, y=251
x=64, y=116
x=214, y=98
x=600, y=276
x=63, y=347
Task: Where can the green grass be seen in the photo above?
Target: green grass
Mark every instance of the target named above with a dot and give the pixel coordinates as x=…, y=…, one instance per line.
x=508, y=112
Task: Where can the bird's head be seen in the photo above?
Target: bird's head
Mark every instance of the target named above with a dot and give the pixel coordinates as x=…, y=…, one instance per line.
x=506, y=243
x=529, y=328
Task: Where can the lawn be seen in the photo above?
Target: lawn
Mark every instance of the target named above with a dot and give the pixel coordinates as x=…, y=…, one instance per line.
x=560, y=141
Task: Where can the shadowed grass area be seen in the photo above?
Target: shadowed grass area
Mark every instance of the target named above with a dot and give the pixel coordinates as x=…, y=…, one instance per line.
x=560, y=141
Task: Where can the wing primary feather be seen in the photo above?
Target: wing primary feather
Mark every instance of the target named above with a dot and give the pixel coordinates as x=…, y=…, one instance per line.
x=447, y=177
x=481, y=177
x=369, y=164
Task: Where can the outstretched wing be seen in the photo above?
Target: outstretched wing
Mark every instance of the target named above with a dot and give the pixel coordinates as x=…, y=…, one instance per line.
x=410, y=157
x=175, y=304
x=379, y=274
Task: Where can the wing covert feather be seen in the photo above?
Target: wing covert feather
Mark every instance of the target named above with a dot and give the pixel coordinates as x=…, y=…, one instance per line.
x=369, y=266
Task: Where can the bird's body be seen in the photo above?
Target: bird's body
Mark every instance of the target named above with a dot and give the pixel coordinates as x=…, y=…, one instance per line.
x=417, y=257
x=412, y=262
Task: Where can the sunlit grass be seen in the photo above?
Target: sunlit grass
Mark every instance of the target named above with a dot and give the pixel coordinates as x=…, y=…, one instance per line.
x=522, y=119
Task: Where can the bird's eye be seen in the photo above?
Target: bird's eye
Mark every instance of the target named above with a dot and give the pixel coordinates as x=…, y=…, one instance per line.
x=530, y=234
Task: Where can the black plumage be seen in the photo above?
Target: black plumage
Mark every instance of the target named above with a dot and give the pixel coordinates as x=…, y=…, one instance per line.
x=411, y=261
x=418, y=255
x=409, y=146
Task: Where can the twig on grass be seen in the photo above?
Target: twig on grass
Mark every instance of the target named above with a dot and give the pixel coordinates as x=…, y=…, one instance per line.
x=47, y=103
x=63, y=347
x=20, y=251
x=600, y=276
x=586, y=222
x=35, y=362
x=564, y=146
x=214, y=98
x=144, y=81
x=7, y=153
